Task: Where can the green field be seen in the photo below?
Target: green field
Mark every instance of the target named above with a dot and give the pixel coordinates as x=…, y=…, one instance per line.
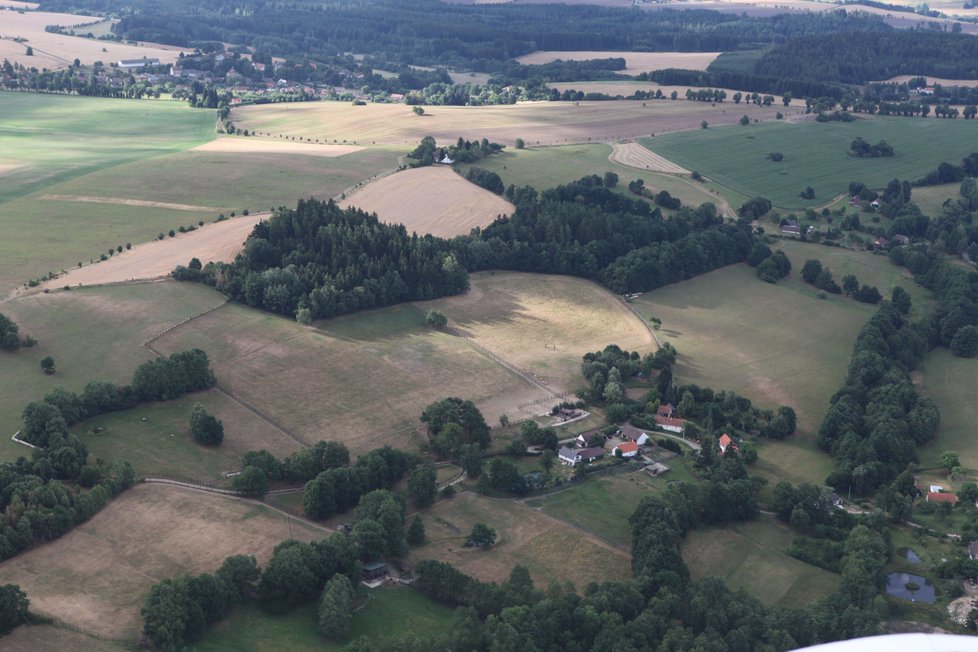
x=388, y=613
x=815, y=154
x=950, y=382
x=752, y=556
x=546, y=167
x=931, y=199
x=775, y=344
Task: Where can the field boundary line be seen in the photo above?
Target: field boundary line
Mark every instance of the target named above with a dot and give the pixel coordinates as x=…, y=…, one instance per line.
x=17, y=440
x=641, y=318
x=148, y=344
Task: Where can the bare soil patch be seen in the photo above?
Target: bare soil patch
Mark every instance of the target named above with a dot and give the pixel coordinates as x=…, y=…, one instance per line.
x=232, y=145
x=636, y=156
x=218, y=242
x=432, y=199
x=635, y=62
x=59, y=50
x=86, y=199
x=96, y=576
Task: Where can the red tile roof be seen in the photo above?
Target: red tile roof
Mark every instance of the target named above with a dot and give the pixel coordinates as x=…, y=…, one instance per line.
x=940, y=497
x=628, y=447
x=666, y=421
x=725, y=440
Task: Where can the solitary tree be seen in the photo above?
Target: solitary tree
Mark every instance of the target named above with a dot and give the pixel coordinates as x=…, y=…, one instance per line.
x=949, y=460
x=482, y=536
x=205, y=428
x=744, y=121
x=418, y=110
x=436, y=319
x=13, y=607
x=47, y=365
x=519, y=143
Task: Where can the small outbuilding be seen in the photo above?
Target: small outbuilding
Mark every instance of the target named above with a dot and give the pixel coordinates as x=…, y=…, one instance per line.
x=375, y=571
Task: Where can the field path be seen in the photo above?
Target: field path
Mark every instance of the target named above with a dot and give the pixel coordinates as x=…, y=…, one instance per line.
x=131, y=202
x=637, y=156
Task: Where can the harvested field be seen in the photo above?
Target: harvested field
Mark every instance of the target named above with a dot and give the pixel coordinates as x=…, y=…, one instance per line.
x=86, y=199
x=51, y=638
x=628, y=88
x=433, y=199
x=752, y=556
x=635, y=62
x=96, y=576
x=552, y=550
x=635, y=156
x=362, y=379
x=218, y=242
x=232, y=145
x=58, y=50
x=537, y=123
x=541, y=323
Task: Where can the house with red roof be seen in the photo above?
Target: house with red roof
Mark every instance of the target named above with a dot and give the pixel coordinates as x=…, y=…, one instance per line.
x=726, y=442
x=941, y=497
x=670, y=424
x=627, y=449
x=668, y=410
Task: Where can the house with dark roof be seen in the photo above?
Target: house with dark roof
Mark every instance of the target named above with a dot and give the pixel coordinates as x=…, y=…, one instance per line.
x=138, y=63
x=590, y=454
x=630, y=432
x=791, y=227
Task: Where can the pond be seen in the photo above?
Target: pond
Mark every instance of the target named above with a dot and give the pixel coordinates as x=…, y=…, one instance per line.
x=910, y=555
x=896, y=585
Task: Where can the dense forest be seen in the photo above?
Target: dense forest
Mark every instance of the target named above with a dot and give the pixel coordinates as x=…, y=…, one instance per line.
x=318, y=261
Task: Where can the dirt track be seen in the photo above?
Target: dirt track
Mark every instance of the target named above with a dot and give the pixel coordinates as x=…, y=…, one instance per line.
x=130, y=202
x=636, y=156
x=220, y=241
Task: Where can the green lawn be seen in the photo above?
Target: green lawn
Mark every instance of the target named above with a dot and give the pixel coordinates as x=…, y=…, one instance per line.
x=775, y=344
x=92, y=334
x=389, y=613
x=815, y=154
x=752, y=556
x=547, y=167
x=951, y=382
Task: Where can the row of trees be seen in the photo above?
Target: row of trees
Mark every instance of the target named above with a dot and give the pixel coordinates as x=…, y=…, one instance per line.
x=860, y=148
x=821, y=277
x=161, y=379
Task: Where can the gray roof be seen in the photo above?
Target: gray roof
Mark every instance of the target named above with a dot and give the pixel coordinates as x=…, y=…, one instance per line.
x=590, y=453
x=568, y=452
x=374, y=565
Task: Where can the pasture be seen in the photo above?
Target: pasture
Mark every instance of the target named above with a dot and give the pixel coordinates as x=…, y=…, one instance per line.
x=949, y=381
x=98, y=574
x=249, y=629
x=752, y=556
x=815, y=154
x=92, y=334
x=431, y=199
x=931, y=199
x=219, y=242
x=552, y=550
x=775, y=344
x=537, y=123
x=361, y=379
x=546, y=167
x=52, y=638
x=542, y=324
x=635, y=62
x=56, y=51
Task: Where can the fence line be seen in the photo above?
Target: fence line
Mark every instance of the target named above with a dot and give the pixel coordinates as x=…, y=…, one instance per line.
x=17, y=440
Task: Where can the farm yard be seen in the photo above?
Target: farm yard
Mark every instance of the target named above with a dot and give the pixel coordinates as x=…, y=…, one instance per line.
x=96, y=576
x=56, y=51
x=219, y=242
x=431, y=199
x=552, y=550
x=635, y=62
x=546, y=167
x=93, y=334
x=752, y=556
x=537, y=123
x=542, y=323
x=815, y=154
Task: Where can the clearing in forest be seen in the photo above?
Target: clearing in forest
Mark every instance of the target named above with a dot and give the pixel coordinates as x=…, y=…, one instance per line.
x=543, y=324
x=433, y=199
x=949, y=381
x=635, y=156
x=552, y=550
x=97, y=575
x=218, y=242
x=635, y=62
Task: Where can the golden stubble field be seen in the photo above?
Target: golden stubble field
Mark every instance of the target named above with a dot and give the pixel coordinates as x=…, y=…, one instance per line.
x=58, y=50
x=635, y=62
x=537, y=123
x=432, y=199
x=97, y=576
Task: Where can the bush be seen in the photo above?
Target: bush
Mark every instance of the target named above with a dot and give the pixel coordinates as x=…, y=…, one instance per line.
x=205, y=429
x=47, y=365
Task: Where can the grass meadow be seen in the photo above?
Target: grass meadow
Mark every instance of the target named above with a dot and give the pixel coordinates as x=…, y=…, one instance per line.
x=815, y=154
x=52, y=638
x=752, y=556
x=551, y=549
x=249, y=629
x=775, y=344
x=547, y=167
x=949, y=381
x=92, y=334
x=97, y=575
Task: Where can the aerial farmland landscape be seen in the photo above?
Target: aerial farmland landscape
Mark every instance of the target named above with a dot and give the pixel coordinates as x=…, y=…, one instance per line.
x=375, y=325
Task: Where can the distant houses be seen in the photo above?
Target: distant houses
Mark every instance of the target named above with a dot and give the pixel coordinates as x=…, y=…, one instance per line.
x=128, y=64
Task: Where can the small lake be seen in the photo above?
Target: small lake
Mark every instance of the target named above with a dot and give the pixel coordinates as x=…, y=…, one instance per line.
x=910, y=555
x=896, y=585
